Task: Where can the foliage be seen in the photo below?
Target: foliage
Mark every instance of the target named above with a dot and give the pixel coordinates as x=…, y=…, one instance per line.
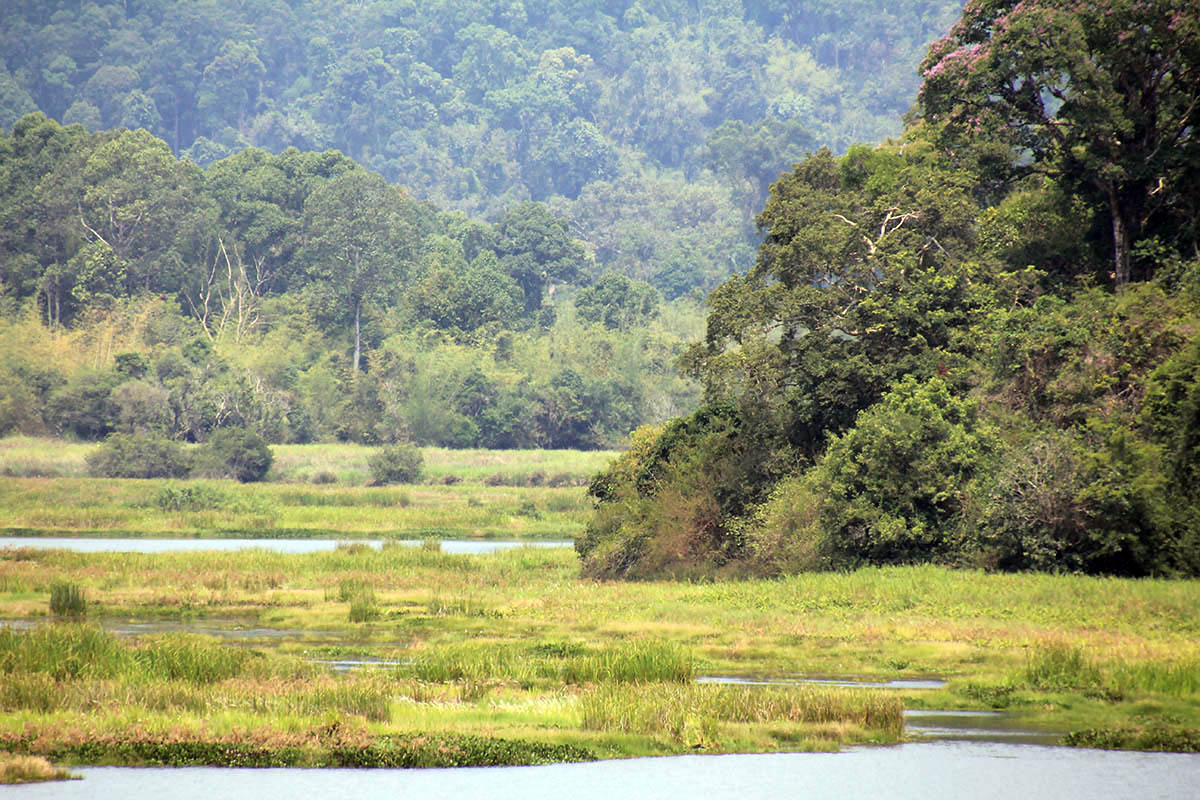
x=479, y=108
x=234, y=453
x=919, y=365
x=1101, y=96
x=396, y=463
x=138, y=456
x=891, y=489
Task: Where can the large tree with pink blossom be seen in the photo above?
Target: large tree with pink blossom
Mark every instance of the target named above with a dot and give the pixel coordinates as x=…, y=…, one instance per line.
x=1104, y=96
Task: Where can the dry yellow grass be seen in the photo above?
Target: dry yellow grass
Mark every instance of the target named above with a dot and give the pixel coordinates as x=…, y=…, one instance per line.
x=29, y=769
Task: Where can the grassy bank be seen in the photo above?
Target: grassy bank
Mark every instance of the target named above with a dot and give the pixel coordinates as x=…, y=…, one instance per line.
x=514, y=648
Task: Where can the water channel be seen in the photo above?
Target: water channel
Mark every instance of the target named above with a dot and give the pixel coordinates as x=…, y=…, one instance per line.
x=920, y=771
x=100, y=545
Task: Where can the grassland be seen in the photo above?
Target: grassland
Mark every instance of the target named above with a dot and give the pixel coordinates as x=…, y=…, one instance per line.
x=520, y=494
x=512, y=657
x=341, y=464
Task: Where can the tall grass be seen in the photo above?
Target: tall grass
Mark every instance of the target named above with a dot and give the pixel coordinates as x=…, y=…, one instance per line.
x=73, y=652
x=1063, y=667
x=691, y=713
x=85, y=506
x=29, y=769
x=635, y=662
x=639, y=662
x=68, y=600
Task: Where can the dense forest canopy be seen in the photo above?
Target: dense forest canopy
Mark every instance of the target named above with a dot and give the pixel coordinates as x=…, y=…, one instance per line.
x=654, y=128
x=302, y=296
x=974, y=344
x=450, y=223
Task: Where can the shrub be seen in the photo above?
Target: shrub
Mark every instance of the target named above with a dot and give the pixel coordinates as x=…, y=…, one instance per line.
x=235, y=453
x=889, y=490
x=397, y=463
x=138, y=456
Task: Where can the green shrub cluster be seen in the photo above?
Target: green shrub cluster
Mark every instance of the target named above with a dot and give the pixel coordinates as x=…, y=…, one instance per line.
x=139, y=456
x=397, y=463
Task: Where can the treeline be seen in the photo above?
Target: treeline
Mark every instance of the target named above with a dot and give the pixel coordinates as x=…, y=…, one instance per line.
x=978, y=344
x=654, y=127
x=303, y=297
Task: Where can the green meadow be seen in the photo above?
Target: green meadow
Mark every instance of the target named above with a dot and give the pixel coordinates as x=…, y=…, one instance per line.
x=312, y=491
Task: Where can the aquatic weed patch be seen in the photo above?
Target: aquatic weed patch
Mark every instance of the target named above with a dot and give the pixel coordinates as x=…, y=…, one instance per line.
x=329, y=745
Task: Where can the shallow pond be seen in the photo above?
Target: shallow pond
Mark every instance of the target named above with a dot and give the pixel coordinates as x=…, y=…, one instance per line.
x=981, y=771
x=84, y=545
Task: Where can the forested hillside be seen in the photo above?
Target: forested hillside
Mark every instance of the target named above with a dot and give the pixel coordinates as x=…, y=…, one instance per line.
x=440, y=222
x=978, y=343
x=654, y=127
x=301, y=296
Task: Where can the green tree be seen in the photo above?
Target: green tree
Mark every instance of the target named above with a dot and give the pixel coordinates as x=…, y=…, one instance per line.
x=890, y=490
x=536, y=249
x=361, y=239
x=138, y=456
x=1103, y=96
x=618, y=302
x=235, y=453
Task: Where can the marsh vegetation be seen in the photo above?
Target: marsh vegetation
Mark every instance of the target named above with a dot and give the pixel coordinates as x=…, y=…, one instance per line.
x=511, y=657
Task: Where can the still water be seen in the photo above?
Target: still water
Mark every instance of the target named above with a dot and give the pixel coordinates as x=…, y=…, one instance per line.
x=921, y=771
x=80, y=545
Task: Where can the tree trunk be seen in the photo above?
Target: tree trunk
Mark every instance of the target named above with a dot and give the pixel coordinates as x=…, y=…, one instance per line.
x=1120, y=239
x=357, y=333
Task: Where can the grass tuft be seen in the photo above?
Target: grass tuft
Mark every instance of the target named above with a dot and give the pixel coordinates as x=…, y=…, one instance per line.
x=67, y=600
x=29, y=769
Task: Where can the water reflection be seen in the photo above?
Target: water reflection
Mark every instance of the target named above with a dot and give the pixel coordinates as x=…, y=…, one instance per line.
x=921, y=771
x=979, y=726
x=85, y=545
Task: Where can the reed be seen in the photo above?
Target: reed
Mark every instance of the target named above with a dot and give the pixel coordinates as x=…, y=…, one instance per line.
x=189, y=658
x=68, y=600
x=1062, y=667
x=1174, y=678
x=636, y=662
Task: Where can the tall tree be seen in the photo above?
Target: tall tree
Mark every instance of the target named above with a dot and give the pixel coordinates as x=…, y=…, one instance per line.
x=1105, y=96
x=361, y=236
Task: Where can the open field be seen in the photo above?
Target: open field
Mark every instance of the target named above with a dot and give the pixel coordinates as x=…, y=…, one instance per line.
x=162, y=508
x=342, y=464
x=512, y=656
x=312, y=491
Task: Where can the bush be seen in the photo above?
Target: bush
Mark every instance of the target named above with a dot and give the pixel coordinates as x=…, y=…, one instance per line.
x=396, y=463
x=138, y=456
x=889, y=490
x=235, y=453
